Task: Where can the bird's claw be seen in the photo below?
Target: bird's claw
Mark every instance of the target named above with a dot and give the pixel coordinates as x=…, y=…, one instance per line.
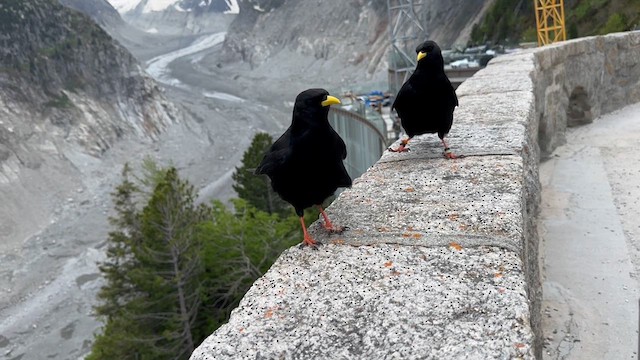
x=308, y=241
x=313, y=246
x=450, y=155
x=335, y=229
x=399, y=149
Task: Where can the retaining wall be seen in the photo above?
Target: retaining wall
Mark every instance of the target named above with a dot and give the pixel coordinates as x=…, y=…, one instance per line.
x=440, y=259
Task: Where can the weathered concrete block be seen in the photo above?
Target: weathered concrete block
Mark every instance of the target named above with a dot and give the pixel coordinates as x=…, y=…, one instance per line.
x=381, y=302
x=424, y=201
x=604, y=68
x=494, y=108
x=513, y=76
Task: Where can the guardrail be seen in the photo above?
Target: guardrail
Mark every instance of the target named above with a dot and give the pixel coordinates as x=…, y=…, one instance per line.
x=365, y=140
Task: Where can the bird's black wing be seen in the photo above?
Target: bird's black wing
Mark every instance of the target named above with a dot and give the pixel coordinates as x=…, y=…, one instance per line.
x=453, y=97
x=405, y=96
x=409, y=105
x=276, y=156
x=342, y=178
x=450, y=100
x=342, y=147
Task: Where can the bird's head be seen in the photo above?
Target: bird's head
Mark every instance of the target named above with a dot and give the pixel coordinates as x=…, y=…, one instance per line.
x=429, y=55
x=313, y=104
x=316, y=98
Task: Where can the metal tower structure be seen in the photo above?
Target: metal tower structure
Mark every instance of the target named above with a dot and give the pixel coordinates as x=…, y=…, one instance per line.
x=407, y=28
x=550, y=21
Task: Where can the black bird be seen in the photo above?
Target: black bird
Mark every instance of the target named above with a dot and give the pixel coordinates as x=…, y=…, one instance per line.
x=305, y=164
x=425, y=103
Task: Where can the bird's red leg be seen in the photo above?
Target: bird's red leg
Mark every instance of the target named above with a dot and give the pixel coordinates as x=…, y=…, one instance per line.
x=403, y=146
x=327, y=223
x=447, y=152
x=308, y=240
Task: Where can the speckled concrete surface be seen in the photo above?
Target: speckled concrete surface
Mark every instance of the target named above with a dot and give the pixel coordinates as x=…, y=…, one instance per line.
x=432, y=202
x=381, y=302
x=430, y=265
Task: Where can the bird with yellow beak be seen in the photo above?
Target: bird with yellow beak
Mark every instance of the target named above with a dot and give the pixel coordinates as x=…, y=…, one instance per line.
x=305, y=164
x=426, y=101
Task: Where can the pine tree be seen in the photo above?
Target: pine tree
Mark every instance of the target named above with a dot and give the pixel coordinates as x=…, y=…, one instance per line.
x=174, y=270
x=115, y=341
x=154, y=274
x=240, y=246
x=257, y=189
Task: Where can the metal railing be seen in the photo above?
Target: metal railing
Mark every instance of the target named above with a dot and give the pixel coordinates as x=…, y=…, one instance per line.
x=365, y=138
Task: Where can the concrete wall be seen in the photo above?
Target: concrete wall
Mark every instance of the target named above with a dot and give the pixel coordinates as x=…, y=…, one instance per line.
x=441, y=257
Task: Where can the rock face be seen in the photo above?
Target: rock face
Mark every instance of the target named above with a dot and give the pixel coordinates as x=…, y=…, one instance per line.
x=176, y=21
x=67, y=91
x=197, y=6
x=176, y=17
x=99, y=10
x=218, y=6
x=355, y=31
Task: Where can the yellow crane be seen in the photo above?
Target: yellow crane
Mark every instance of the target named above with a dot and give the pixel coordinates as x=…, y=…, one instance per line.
x=550, y=21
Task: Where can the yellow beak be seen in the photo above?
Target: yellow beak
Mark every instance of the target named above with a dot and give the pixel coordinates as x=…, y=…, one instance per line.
x=331, y=100
x=421, y=54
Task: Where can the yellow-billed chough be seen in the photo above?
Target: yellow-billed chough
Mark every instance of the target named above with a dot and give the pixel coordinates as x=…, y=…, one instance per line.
x=425, y=103
x=305, y=164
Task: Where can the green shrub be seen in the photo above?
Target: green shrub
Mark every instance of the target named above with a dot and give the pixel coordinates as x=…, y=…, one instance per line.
x=616, y=23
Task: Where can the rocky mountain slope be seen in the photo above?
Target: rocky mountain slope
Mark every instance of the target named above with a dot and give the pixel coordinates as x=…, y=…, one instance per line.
x=172, y=17
x=176, y=17
x=68, y=93
x=201, y=6
x=353, y=31
x=99, y=10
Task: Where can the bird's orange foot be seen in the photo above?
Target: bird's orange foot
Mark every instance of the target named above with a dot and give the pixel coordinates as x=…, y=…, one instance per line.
x=328, y=225
x=450, y=155
x=400, y=149
x=403, y=146
x=308, y=241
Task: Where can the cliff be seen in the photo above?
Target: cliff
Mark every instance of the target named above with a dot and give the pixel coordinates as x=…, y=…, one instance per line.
x=67, y=92
x=99, y=10
x=355, y=32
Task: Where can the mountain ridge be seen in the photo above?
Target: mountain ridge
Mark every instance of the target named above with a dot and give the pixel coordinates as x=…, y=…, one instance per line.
x=355, y=30
x=146, y=6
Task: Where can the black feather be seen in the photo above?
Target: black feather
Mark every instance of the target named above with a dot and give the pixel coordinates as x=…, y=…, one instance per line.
x=305, y=164
x=425, y=103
